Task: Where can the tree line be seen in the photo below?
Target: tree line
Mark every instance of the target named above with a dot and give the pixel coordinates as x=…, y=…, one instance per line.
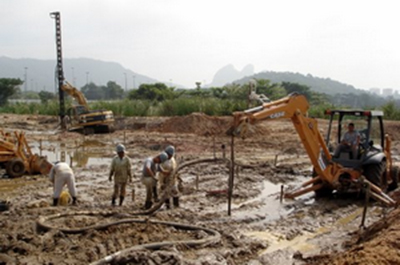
x=160, y=99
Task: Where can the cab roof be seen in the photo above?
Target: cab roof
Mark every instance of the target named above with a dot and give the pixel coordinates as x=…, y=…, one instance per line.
x=373, y=113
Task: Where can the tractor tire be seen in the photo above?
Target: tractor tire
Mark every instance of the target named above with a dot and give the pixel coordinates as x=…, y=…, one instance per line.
x=395, y=178
x=15, y=168
x=322, y=192
x=88, y=130
x=374, y=172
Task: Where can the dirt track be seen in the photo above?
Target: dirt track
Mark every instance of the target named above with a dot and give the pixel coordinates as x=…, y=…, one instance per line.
x=260, y=230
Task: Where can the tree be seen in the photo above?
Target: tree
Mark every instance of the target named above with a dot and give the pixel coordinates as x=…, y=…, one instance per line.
x=113, y=91
x=157, y=91
x=92, y=92
x=295, y=87
x=8, y=87
x=272, y=91
x=390, y=111
x=235, y=91
x=45, y=96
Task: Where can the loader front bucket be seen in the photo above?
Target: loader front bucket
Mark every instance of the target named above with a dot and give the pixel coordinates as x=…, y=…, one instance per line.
x=40, y=165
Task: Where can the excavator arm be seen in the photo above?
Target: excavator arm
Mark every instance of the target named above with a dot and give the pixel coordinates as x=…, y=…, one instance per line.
x=75, y=93
x=295, y=107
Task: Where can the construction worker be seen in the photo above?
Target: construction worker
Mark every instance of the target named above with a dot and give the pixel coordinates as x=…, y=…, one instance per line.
x=149, y=172
x=61, y=174
x=121, y=170
x=349, y=142
x=167, y=177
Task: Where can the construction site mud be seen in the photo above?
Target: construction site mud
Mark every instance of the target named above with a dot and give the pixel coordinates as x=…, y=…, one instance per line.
x=261, y=229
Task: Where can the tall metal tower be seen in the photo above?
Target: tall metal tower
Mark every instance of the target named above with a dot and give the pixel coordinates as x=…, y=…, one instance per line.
x=60, y=71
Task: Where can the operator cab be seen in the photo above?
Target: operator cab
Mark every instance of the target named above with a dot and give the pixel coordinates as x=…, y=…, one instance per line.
x=368, y=127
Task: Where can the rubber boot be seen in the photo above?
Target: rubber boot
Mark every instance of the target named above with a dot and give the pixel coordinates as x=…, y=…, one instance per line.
x=73, y=200
x=113, y=201
x=176, y=201
x=167, y=203
x=148, y=205
x=155, y=195
x=121, y=200
x=55, y=201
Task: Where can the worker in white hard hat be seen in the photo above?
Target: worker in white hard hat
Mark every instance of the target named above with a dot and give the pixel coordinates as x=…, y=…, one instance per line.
x=149, y=179
x=61, y=174
x=167, y=177
x=121, y=170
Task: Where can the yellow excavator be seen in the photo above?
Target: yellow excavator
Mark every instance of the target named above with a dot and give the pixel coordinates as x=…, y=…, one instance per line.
x=371, y=165
x=80, y=118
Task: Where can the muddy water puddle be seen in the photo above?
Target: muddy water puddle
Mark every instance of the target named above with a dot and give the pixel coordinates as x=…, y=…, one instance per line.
x=79, y=155
x=266, y=206
x=308, y=241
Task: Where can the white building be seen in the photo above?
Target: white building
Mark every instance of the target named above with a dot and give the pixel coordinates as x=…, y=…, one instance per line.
x=375, y=90
x=387, y=92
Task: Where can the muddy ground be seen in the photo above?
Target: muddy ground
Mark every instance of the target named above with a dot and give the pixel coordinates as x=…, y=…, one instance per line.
x=260, y=229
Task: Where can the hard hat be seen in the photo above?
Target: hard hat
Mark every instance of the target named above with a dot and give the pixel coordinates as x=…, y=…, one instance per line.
x=163, y=157
x=120, y=148
x=170, y=150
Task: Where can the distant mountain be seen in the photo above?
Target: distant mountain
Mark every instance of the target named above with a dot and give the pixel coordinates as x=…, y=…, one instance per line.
x=317, y=84
x=40, y=74
x=228, y=74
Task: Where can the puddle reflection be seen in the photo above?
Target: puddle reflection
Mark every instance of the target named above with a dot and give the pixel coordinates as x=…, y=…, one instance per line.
x=80, y=156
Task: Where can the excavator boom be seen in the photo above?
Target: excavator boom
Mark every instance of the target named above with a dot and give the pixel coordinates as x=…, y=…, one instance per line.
x=75, y=94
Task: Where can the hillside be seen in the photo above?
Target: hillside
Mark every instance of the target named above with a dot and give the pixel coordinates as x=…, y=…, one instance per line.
x=41, y=73
x=322, y=85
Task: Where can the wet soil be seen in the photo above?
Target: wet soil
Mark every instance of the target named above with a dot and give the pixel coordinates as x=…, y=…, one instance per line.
x=260, y=230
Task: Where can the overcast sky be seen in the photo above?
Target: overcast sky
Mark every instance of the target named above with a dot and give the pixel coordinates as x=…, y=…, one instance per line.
x=184, y=41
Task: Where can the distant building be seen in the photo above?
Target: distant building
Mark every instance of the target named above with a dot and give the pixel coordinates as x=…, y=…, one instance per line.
x=387, y=92
x=375, y=90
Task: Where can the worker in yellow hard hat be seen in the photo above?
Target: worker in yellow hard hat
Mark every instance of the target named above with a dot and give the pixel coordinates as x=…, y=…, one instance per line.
x=61, y=174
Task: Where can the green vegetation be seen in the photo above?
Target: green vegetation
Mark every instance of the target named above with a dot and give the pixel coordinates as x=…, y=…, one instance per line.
x=8, y=87
x=160, y=100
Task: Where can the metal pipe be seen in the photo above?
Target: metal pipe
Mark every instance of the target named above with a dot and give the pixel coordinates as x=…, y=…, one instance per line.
x=367, y=193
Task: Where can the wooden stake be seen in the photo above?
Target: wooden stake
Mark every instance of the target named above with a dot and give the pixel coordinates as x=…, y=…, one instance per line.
x=231, y=175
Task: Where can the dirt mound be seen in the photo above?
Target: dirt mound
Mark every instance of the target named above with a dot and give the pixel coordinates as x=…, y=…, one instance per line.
x=197, y=123
x=202, y=124
x=378, y=244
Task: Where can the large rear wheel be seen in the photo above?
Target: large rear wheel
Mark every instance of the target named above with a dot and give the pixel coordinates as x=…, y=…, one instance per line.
x=15, y=168
x=374, y=172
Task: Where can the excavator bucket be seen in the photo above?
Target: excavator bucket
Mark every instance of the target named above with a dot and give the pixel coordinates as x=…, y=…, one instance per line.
x=40, y=165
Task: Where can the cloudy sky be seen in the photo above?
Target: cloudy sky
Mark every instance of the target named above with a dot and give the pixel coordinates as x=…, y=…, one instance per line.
x=184, y=41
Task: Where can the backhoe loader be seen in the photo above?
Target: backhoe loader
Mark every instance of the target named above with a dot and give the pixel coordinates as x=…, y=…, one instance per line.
x=17, y=158
x=372, y=164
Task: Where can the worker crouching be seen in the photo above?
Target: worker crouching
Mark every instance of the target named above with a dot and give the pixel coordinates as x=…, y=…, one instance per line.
x=149, y=177
x=61, y=174
x=121, y=170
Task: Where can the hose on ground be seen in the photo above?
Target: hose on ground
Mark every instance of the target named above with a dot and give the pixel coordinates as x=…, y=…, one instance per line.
x=214, y=236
